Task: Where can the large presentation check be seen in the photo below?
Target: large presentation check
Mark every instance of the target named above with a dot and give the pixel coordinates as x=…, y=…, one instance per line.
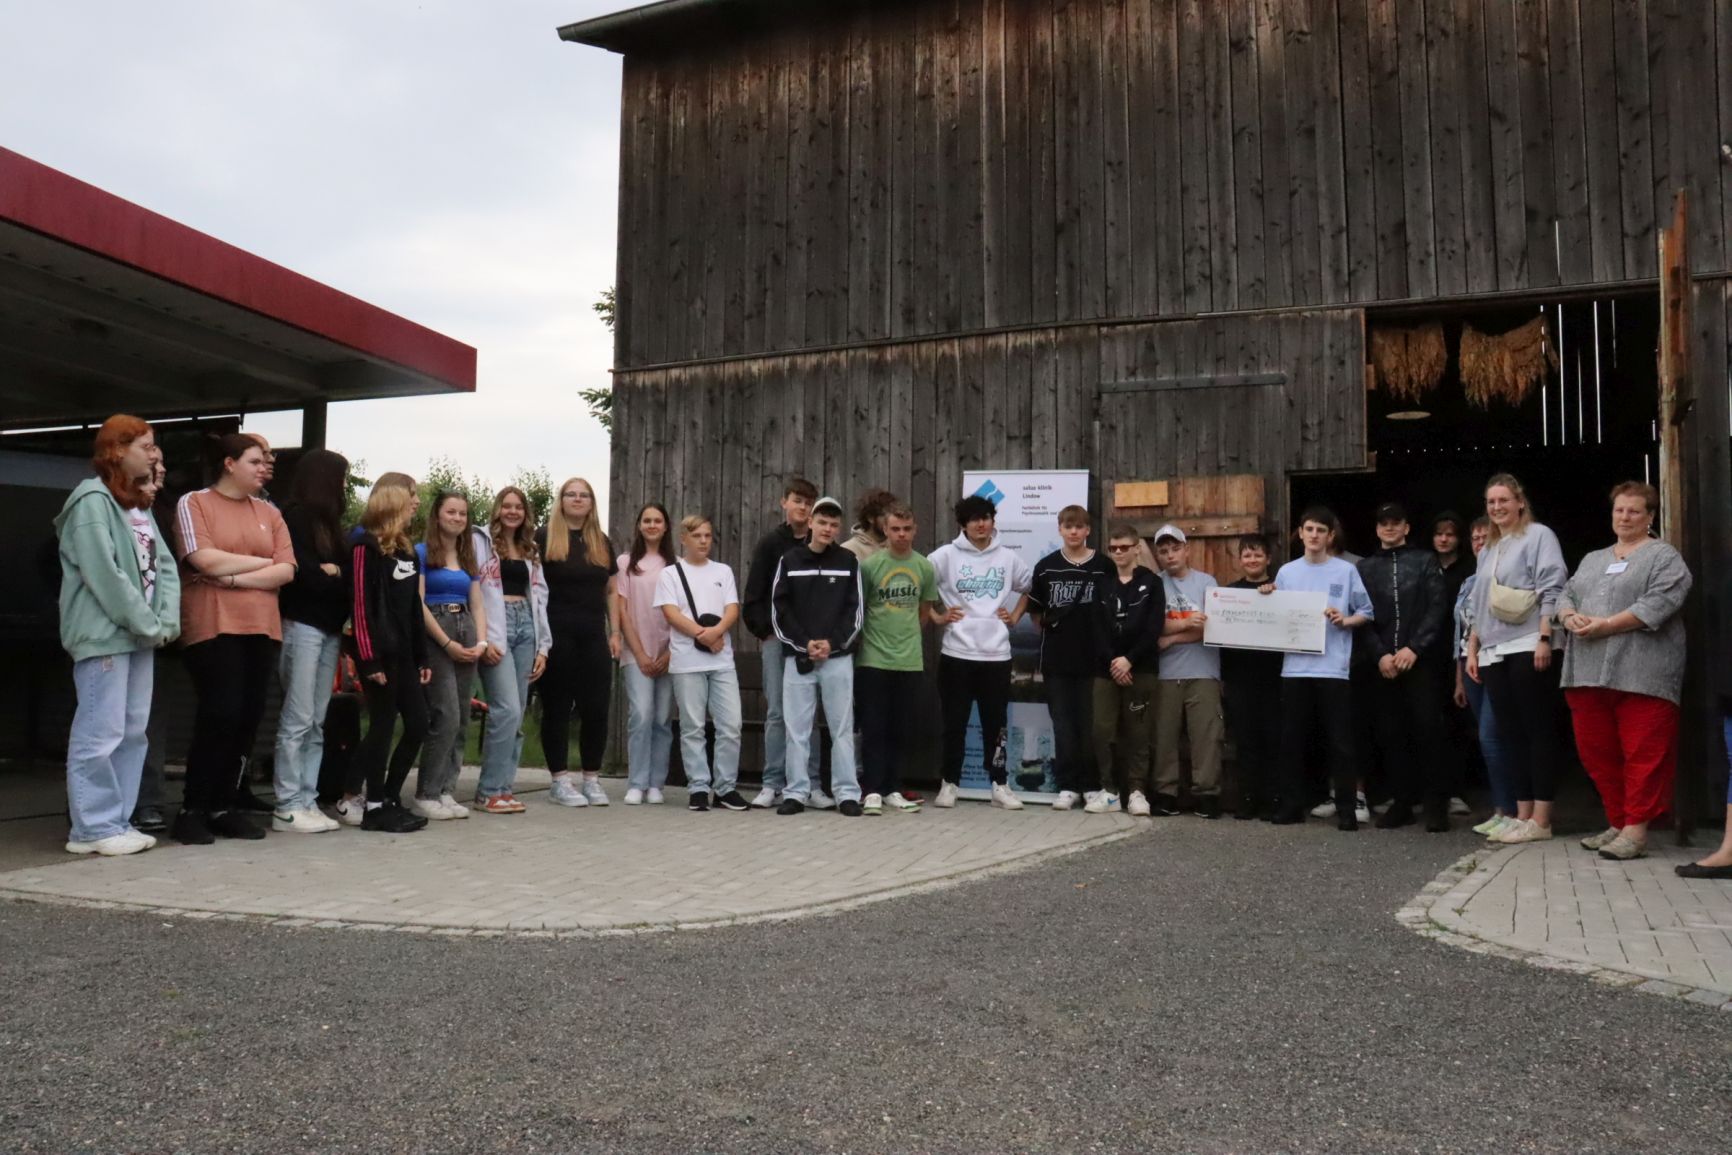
x=1287, y=620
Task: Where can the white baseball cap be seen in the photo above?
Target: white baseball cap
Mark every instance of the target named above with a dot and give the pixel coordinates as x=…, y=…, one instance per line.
x=1172, y=531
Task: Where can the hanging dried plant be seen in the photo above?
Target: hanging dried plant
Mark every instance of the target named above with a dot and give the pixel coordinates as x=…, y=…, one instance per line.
x=1505, y=367
x=1409, y=362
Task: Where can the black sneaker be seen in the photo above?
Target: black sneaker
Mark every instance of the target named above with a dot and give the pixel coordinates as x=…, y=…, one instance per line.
x=191, y=829
x=1287, y=816
x=1164, y=805
x=849, y=808
x=791, y=806
x=1395, y=817
x=1208, y=806
x=233, y=824
x=699, y=800
x=1345, y=821
x=391, y=818
x=733, y=800
x=149, y=819
x=1246, y=810
x=1437, y=816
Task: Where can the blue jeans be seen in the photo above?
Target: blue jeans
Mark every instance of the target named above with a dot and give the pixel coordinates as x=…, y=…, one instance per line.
x=307, y=667
x=1491, y=745
x=715, y=694
x=649, y=727
x=105, y=753
x=775, y=730
x=834, y=680
x=507, y=689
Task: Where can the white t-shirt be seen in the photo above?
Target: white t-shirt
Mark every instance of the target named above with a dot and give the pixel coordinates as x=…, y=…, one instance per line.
x=713, y=587
x=144, y=542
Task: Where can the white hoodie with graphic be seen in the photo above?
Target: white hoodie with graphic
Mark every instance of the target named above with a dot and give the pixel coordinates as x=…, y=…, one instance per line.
x=982, y=582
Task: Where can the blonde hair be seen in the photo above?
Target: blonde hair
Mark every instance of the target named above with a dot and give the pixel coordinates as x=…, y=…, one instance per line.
x=693, y=522
x=523, y=539
x=595, y=543
x=394, y=481
x=388, y=514
x=1523, y=519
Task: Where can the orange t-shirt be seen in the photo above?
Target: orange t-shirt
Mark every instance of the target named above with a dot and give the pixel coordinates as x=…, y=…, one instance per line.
x=208, y=520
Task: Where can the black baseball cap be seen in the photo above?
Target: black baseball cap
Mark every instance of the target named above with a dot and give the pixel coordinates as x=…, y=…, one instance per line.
x=1391, y=511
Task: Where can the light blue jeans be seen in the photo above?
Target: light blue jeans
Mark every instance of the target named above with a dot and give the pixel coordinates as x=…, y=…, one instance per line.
x=649, y=735
x=833, y=679
x=307, y=667
x=105, y=753
x=714, y=694
x=507, y=689
x=1491, y=745
x=775, y=731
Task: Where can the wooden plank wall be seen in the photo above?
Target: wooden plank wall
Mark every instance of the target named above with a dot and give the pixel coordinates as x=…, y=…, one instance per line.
x=1707, y=450
x=906, y=169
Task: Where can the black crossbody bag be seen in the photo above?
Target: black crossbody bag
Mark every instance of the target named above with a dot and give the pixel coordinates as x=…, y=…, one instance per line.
x=705, y=620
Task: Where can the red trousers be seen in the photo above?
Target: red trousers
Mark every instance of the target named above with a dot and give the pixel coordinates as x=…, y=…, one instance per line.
x=1629, y=745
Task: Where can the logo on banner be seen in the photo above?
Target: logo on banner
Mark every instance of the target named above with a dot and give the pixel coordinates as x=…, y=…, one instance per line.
x=989, y=490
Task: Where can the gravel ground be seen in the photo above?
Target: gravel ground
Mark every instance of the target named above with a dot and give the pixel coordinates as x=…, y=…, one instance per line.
x=1215, y=987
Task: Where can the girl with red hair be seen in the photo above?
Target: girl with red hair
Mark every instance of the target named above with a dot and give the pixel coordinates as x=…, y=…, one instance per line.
x=117, y=605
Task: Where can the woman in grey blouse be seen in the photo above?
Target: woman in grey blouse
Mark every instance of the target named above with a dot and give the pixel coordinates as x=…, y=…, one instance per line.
x=1624, y=669
x=1515, y=595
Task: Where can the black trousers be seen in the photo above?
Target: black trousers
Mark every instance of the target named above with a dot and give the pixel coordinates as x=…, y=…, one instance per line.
x=1524, y=702
x=888, y=702
x=963, y=684
x=232, y=674
x=1324, y=706
x=579, y=676
x=1071, y=700
x=403, y=696
x=1409, y=726
x=1254, y=721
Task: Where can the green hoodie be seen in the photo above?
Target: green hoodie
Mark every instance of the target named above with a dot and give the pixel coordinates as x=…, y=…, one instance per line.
x=102, y=606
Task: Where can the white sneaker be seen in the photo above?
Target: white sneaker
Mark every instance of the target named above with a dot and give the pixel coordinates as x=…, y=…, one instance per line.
x=431, y=809
x=1139, y=805
x=1102, y=802
x=766, y=799
x=301, y=822
x=126, y=842
x=593, y=792
x=872, y=804
x=1489, y=825
x=895, y=801
x=1067, y=800
x=1459, y=806
x=1498, y=825
x=453, y=808
x=1324, y=809
x=654, y=797
x=350, y=811
x=818, y=800
x=1004, y=798
x=634, y=797
x=564, y=792
x=1525, y=831
x=1361, y=811
x=149, y=840
x=946, y=796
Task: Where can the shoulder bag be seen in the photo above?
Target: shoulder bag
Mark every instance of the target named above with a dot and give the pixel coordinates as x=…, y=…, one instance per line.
x=1508, y=604
x=705, y=620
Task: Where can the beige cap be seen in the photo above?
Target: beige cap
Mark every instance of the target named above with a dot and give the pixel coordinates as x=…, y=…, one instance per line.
x=1172, y=531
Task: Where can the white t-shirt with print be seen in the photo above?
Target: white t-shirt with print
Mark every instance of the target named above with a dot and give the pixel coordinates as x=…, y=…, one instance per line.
x=144, y=542
x=713, y=589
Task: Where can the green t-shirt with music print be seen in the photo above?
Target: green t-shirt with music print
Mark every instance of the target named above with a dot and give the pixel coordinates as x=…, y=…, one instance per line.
x=895, y=588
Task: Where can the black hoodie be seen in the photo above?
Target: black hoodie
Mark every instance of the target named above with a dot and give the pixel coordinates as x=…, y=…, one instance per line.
x=1129, y=617
x=755, y=605
x=385, y=605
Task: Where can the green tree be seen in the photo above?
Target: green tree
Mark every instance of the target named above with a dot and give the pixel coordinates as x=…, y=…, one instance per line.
x=446, y=476
x=355, y=492
x=600, y=400
x=537, y=485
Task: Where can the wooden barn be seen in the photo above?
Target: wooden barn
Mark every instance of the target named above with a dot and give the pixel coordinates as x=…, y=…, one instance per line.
x=1262, y=251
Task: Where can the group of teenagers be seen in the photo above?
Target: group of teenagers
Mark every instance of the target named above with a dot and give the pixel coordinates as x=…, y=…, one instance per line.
x=251, y=591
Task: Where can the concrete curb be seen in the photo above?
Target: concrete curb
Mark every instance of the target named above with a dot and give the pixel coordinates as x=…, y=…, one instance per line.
x=1435, y=913
x=786, y=914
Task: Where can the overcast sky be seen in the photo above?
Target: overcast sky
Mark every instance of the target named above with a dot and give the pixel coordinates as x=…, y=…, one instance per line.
x=452, y=161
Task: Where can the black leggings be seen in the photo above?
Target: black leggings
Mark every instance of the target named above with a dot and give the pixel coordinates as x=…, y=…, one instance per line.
x=961, y=685
x=1324, y=704
x=401, y=695
x=232, y=673
x=1524, y=703
x=579, y=674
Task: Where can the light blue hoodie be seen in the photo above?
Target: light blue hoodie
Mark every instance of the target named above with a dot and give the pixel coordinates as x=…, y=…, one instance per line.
x=102, y=606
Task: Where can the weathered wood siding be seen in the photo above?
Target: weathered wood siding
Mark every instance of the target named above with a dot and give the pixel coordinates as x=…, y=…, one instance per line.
x=897, y=170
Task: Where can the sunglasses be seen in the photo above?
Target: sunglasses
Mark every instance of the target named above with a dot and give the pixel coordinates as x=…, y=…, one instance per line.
x=1120, y=548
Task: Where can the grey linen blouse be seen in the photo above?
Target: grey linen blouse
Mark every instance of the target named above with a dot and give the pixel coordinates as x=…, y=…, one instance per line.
x=1652, y=585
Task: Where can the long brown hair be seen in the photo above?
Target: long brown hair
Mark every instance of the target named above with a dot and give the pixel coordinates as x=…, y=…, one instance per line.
x=388, y=513
x=1524, y=519
x=523, y=538
x=433, y=537
x=640, y=547
x=319, y=487
x=595, y=544
x=112, y=441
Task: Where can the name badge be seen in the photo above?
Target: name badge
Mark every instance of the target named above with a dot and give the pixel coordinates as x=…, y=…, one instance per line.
x=1618, y=567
